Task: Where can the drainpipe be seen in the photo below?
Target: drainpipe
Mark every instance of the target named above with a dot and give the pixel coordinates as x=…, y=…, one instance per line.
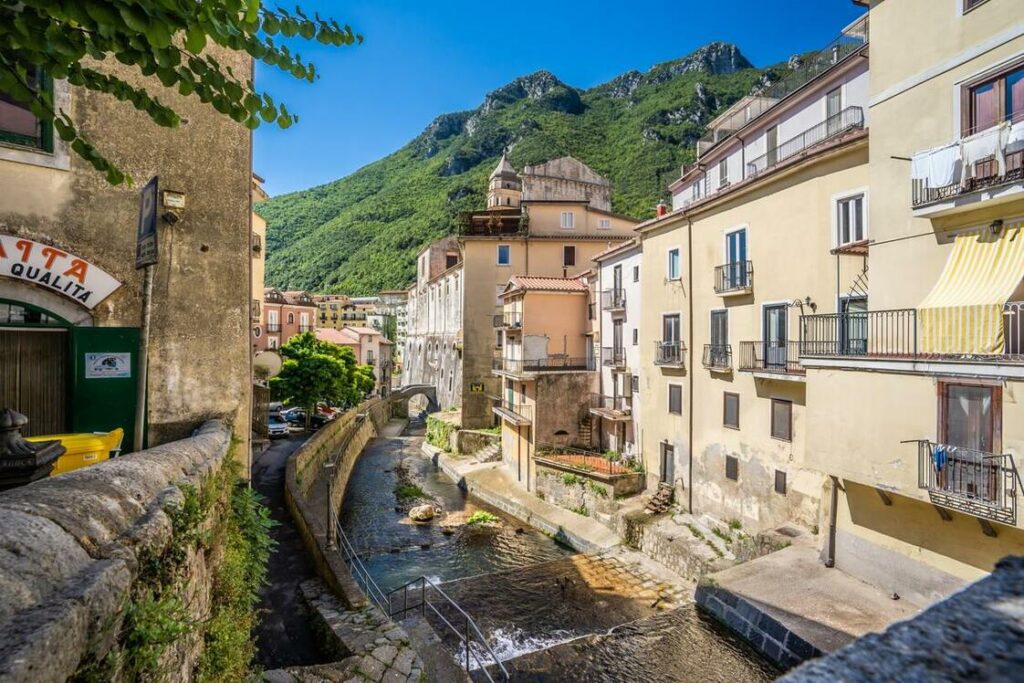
x=689, y=371
x=830, y=559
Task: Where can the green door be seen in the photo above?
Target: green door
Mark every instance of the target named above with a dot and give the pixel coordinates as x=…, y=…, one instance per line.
x=103, y=380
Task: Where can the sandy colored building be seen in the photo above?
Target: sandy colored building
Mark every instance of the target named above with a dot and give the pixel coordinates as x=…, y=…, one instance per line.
x=259, y=263
x=369, y=347
x=767, y=225
x=911, y=402
x=71, y=298
x=284, y=314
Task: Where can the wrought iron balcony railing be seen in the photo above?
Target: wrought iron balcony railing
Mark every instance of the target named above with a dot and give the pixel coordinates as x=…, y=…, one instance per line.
x=771, y=356
x=613, y=300
x=848, y=119
x=516, y=413
x=517, y=366
x=273, y=327
x=620, y=405
x=669, y=353
x=613, y=356
x=734, y=277
x=717, y=357
x=509, y=321
x=305, y=328
x=969, y=481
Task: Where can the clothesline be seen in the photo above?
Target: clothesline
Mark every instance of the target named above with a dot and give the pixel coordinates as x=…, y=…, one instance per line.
x=954, y=162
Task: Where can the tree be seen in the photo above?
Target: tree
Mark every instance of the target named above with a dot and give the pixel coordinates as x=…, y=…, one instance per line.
x=363, y=379
x=315, y=371
x=162, y=38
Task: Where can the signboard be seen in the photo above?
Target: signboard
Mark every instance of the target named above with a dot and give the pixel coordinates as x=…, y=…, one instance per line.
x=55, y=269
x=476, y=388
x=145, y=240
x=108, y=365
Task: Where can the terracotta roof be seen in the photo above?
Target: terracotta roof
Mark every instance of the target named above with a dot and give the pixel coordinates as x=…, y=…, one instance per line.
x=623, y=246
x=329, y=334
x=362, y=330
x=547, y=284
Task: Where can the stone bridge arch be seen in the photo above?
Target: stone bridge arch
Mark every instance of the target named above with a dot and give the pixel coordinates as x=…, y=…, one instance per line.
x=428, y=391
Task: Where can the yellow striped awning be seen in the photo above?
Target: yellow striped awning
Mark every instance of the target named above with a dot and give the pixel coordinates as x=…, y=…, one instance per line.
x=963, y=314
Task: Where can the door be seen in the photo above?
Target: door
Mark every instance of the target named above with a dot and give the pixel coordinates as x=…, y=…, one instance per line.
x=33, y=378
x=736, y=258
x=719, y=339
x=104, y=380
x=771, y=137
x=617, y=280
x=833, y=109
x=775, y=336
x=669, y=351
x=668, y=462
x=618, y=350
x=968, y=417
x=853, y=326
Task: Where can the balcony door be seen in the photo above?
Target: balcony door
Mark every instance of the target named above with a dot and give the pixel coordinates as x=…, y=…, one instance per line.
x=771, y=138
x=853, y=326
x=736, y=259
x=969, y=425
x=833, y=107
x=617, y=347
x=670, y=329
x=719, y=339
x=774, y=326
x=616, y=280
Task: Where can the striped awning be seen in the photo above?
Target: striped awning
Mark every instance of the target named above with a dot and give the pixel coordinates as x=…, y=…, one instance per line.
x=963, y=314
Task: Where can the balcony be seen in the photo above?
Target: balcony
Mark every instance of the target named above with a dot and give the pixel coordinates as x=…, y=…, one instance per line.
x=611, y=407
x=851, y=118
x=717, y=357
x=613, y=300
x=508, y=321
x=273, y=328
x=770, y=359
x=973, y=482
x=669, y=354
x=613, y=357
x=894, y=335
x=734, y=279
x=520, y=367
x=517, y=413
x=305, y=328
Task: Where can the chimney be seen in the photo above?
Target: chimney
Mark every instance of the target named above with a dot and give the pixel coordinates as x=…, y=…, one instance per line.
x=661, y=209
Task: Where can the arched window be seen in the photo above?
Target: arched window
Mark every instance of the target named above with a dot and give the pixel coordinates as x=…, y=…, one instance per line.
x=291, y=318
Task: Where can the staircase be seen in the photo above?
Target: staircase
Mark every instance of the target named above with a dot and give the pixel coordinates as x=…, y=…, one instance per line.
x=586, y=431
x=490, y=453
x=661, y=500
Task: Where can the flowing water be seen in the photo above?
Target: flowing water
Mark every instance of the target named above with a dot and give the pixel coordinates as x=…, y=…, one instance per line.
x=550, y=614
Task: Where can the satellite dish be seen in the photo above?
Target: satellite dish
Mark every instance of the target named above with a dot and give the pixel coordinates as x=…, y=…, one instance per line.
x=269, y=361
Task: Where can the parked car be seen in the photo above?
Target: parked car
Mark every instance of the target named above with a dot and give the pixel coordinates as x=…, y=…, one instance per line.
x=276, y=427
x=297, y=416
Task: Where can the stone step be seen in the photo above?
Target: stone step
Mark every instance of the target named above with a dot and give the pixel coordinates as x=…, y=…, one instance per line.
x=438, y=662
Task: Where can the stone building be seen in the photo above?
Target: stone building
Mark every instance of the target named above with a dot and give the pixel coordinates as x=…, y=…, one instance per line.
x=554, y=232
x=70, y=294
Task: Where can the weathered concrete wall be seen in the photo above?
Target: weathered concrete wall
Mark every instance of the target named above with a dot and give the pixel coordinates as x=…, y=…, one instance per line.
x=974, y=635
x=71, y=548
x=574, y=492
x=470, y=441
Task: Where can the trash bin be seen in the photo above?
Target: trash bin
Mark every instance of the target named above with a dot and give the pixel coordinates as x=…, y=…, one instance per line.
x=83, y=449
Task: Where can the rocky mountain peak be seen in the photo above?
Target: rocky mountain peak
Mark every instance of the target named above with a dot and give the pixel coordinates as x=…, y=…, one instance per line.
x=533, y=86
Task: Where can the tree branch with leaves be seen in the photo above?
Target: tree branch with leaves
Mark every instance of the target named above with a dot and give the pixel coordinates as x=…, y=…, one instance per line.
x=162, y=38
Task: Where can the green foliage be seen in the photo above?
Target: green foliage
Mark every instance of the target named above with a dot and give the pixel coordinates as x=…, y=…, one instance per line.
x=572, y=480
x=735, y=524
x=724, y=535
x=580, y=509
x=611, y=455
x=315, y=371
x=439, y=433
x=152, y=622
x=482, y=517
x=156, y=38
x=406, y=492
x=360, y=234
x=694, y=530
x=598, y=490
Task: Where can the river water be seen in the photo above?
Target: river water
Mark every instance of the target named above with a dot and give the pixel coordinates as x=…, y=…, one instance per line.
x=550, y=614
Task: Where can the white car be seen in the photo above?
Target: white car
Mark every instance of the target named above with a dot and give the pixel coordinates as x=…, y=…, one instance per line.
x=277, y=427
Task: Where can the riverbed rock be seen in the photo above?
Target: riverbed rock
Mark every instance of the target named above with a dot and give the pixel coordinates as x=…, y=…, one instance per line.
x=422, y=513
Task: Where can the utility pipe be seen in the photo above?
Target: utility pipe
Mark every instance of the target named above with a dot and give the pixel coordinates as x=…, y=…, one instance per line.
x=830, y=559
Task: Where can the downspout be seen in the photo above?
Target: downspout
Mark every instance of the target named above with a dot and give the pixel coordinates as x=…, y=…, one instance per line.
x=689, y=372
x=830, y=559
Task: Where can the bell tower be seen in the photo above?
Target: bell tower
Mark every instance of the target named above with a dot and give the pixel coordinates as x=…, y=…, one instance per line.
x=505, y=189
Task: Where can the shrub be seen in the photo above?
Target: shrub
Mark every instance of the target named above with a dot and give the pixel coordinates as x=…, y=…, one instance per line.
x=598, y=490
x=406, y=492
x=439, y=433
x=482, y=517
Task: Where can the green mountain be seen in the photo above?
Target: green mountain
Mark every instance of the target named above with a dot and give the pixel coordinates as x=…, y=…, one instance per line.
x=360, y=234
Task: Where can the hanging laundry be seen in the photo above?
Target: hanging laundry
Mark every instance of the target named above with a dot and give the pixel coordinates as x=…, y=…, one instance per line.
x=981, y=146
x=938, y=167
x=1014, y=138
x=939, y=457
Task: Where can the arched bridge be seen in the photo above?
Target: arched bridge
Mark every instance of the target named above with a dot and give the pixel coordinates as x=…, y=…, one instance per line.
x=411, y=390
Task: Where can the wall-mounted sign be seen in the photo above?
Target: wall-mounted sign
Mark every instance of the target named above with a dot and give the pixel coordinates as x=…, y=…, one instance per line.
x=108, y=365
x=476, y=388
x=55, y=269
x=145, y=240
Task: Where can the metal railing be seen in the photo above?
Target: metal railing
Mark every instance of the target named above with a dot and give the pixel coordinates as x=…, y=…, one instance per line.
x=356, y=567
x=582, y=460
x=669, y=353
x=509, y=320
x=613, y=300
x=518, y=413
x=735, y=276
x=970, y=481
x=613, y=356
x=771, y=356
x=717, y=356
x=852, y=39
x=305, y=328
x=475, y=646
x=273, y=327
x=894, y=334
x=519, y=366
x=848, y=119
x=612, y=404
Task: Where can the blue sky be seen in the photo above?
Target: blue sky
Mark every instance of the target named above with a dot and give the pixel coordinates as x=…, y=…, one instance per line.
x=421, y=59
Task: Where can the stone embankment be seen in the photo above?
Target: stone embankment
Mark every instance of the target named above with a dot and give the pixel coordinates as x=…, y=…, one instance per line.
x=74, y=548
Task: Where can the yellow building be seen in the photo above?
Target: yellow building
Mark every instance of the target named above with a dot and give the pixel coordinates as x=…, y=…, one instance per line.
x=767, y=225
x=911, y=403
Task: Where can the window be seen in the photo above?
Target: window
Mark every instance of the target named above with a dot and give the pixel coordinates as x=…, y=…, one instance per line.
x=498, y=291
x=675, y=399
x=723, y=172
x=636, y=336
x=674, y=271
x=504, y=255
x=670, y=328
x=719, y=329
x=731, y=410
x=732, y=468
x=771, y=141
x=969, y=416
x=272, y=342
x=568, y=220
x=987, y=102
x=850, y=220
x=18, y=126
x=971, y=4
x=636, y=273
x=782, y=419
x=450, y=260
x=291, y=318
x=636, y=383
x=780, y=482
x=568, y=256
x=604, y=224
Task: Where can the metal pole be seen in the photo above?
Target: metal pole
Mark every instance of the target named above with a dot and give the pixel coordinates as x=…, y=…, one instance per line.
x=140, y=389
x=467, y=645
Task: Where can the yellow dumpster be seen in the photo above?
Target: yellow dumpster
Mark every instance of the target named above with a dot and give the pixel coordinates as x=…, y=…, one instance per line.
x=83, y=449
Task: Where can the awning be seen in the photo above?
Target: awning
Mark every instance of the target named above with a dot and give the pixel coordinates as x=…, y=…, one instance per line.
x=963, y=314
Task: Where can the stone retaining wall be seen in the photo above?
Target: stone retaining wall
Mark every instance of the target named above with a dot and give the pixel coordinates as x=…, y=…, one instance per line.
x=470, y=441
x=71, y=548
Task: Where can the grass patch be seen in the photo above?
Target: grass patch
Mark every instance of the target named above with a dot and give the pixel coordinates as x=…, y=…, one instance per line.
x=406, y=492
x=482, y=517
x=598, y=490
x=572, y=480
x=580, y=510
x=694, y=530
x=439, y=433
x=735, y=524
x=724, y=535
